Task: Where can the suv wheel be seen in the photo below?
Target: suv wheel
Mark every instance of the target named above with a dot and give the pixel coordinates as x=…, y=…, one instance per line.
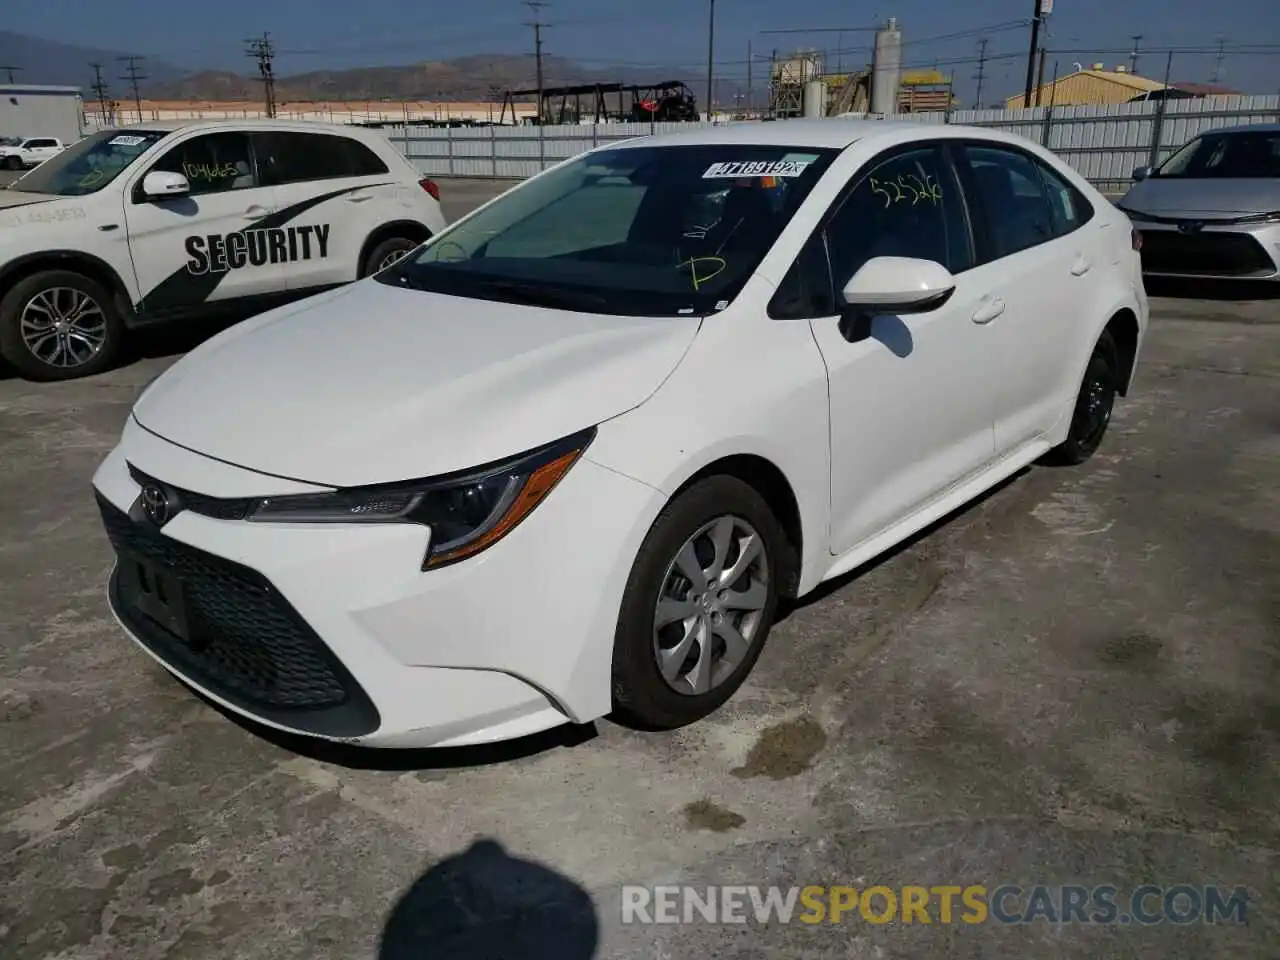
x=59, y=325
x=385, y=254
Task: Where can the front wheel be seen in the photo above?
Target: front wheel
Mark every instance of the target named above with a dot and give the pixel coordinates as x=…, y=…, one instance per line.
x=698, y=606
x=1094, y=405
x=13, y=163
x=59, y=325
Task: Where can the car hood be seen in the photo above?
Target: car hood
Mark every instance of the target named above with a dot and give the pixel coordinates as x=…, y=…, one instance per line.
x=372, y=383
x=17, y=198
x=1206, y=199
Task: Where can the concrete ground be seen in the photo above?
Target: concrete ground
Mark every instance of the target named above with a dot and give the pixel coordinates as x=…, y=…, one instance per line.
x=1076, y=680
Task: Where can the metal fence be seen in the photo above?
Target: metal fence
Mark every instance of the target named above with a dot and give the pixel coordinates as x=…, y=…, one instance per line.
x=1104, y=143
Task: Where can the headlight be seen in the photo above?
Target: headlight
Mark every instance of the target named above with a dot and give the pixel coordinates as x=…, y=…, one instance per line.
x=466, y=512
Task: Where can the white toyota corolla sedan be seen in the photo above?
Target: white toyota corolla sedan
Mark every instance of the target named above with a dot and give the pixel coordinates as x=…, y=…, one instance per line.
x=564, y=460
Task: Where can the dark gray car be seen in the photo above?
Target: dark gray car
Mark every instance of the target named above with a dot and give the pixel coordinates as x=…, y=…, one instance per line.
x=1212, y=210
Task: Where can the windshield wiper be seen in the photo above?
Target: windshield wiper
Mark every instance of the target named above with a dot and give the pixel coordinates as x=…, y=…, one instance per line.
x=543, y=296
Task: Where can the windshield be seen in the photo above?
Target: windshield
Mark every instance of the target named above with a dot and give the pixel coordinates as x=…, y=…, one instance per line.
x=1227, y=155
x=89, y=165
x=636, y=231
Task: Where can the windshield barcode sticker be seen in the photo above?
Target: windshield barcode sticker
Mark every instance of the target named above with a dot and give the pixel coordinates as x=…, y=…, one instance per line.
x=734, y=169
x=125, y=140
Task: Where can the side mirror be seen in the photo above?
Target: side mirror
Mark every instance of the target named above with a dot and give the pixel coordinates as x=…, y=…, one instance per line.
x=898, y=285
x=1142, y=173
x=162, y=183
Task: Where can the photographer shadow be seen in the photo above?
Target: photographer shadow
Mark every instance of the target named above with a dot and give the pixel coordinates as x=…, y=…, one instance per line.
x=484, y=904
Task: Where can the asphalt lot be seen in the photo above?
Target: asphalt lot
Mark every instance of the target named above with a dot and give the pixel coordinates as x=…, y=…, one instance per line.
x=1076, y=680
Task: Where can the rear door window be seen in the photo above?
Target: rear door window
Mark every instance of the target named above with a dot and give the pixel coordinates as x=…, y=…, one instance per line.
x=291, y=157
x=1007, y=188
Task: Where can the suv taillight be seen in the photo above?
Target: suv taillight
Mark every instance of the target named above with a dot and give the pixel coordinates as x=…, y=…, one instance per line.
x=1135, y=238
x=429, y=185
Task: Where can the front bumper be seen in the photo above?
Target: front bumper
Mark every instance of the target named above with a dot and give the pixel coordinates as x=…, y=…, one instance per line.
x=334, y=631
x=1206, y=250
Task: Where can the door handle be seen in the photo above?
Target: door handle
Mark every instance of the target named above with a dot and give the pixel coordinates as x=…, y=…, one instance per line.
x=358, y=197
x=1082, y=266
x=255, y=212
x=989, y=310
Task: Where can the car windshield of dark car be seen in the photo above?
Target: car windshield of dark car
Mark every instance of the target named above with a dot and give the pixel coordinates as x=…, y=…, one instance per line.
x=89, y=165
x=638, y=231
x=1227, y=155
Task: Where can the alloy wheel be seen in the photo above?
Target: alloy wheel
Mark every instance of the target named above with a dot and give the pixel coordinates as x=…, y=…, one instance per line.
x=63, y=327
x=710, y=605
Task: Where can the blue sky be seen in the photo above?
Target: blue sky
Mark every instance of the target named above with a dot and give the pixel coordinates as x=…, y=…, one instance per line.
x=319, y=34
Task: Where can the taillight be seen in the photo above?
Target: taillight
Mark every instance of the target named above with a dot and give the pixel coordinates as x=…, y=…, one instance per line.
x=1135, y=238
x=429, y=185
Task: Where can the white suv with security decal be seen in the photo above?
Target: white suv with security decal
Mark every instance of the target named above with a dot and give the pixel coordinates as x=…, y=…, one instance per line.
x=162, y=222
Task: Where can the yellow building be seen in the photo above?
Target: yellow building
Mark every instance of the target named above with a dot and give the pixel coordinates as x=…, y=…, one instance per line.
x=1094, y=86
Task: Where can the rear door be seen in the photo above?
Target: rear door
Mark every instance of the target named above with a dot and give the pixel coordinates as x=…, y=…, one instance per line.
x=218, y=242
x=333, y=194
x=1032, y=260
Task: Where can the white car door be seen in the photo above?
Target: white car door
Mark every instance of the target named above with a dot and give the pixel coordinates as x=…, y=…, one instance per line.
x=218, y=242
x=911, y=396
x=1040, y=271
x=335, y=191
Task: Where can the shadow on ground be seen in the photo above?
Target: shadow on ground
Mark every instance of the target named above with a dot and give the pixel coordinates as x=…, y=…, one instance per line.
x=484, y=904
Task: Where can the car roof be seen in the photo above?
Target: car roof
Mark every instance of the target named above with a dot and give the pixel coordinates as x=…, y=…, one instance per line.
x=1246, y=128
x=832, y=133
x=314, y=126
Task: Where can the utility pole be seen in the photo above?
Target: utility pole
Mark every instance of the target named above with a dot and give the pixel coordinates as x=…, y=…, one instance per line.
x=751, y=97
x=1133, y=57
x=536, y=6
x=982, y=70
x=100, y=88
x=1217, y=63
x=10, y=71
x=1040, y=78
x=711, y=52
x=133, y=76
x=1036, y=19
x=262, y=51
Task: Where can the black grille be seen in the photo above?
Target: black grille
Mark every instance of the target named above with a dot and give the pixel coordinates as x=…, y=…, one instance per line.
x=1211, y=253
x=244, y=641
x=218, y=508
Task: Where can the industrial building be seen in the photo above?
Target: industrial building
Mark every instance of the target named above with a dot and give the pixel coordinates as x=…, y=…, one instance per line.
x=1095, y=85
x=29, y=110
x=800, y=85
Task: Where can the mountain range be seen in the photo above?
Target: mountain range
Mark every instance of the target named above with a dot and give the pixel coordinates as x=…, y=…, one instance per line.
x=39, y=61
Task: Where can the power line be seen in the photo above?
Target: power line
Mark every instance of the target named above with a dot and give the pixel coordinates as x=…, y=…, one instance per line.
x=100, y=88
x=262, y=51
x=133, y=76
x=537, y=24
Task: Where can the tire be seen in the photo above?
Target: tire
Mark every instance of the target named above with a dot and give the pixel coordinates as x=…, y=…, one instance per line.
x=642, y=696
x=381, y=255
x=1094, y=405
x=13, y=163
x=35, y=302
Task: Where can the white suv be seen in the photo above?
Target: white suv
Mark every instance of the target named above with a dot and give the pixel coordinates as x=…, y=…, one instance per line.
x=157, y=223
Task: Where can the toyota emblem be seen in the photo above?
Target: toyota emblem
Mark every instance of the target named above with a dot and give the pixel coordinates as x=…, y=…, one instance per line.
x=155, y=504
x=1190, y=226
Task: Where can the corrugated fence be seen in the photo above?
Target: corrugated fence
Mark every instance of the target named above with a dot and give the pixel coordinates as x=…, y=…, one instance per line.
x=1105, y=143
